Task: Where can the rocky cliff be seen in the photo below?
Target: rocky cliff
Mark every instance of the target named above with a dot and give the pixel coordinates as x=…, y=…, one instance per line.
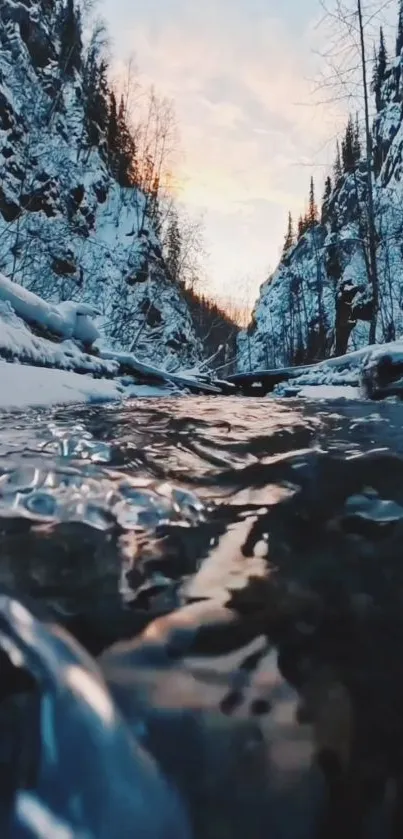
x=68, y=229
x=318, y=303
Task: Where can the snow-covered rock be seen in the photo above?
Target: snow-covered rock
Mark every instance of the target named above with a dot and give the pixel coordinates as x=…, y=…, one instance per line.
x=65, y=320
x=318, y=303
x=68, y=231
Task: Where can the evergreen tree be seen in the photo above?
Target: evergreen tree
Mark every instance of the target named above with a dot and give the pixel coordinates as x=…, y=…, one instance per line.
x=303, y=225
x=357, y=141
x=350, y=147
x=338, y=172
x=289, y=239
x=325, y=202
x=153, y=204
x=312, y=216
x=380, y=62
x=126, y=160
x=328, y=189
x=112, y=133
x=399, y=39
x=69, y=31
x=96, y=95
x=173, y=248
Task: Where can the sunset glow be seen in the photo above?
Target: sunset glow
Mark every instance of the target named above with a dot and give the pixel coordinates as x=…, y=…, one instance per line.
x=240, y=74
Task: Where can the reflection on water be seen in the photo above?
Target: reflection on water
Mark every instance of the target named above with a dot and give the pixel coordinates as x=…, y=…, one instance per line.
x=246, y=554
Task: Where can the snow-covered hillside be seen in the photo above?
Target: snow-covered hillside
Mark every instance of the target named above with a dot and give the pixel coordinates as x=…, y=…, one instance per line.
x=318, y=303
x=68, y=230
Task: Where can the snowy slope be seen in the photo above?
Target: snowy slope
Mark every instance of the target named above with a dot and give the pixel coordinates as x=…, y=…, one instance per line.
x=318, y=302
x=68, y=231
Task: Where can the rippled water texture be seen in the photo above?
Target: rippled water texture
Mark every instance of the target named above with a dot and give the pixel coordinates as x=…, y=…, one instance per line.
x=142, y=521
x=177, y=483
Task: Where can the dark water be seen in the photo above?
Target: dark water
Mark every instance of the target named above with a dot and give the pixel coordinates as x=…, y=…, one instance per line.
x=257, y=544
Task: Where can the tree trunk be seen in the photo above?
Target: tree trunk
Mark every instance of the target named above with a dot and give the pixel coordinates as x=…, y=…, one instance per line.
x=369, y=163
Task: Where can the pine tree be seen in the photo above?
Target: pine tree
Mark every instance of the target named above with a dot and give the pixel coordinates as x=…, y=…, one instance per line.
x=69, y=31
x=338, y=172
x=173, y=248
x=357, y=141
x=126, y=160
x=312, y=216
x=112, y=133
x=289, y=239
x=325, y=201
x=301, y=227
x=348, y=147
x=153, y=204
x=96, y=96
x=399, y=39
x=380, y=63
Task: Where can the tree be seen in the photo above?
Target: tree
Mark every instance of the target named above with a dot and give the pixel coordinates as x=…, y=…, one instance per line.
x=338, y=172
x=399, y=39
x=126, y=160
x=69, y=30
x=289, y=239
x=173, y=248
x=347, y=148
x=96, y=95
x=312, y=217
x=373, y=268
x=380, y=63
x=112, y=133
x=357, y=141
x=325, y=201
x=302, y=226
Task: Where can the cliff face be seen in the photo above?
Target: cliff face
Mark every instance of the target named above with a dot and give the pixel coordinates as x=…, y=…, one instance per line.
x=67, y=229
x=319, y=301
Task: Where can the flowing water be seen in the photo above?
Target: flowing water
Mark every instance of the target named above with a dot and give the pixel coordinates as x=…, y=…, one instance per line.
x=145, y=520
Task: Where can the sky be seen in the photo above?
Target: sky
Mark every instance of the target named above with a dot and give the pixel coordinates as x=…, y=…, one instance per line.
x=240, y=73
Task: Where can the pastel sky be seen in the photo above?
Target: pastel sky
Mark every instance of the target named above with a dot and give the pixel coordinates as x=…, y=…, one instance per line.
x=240, y=73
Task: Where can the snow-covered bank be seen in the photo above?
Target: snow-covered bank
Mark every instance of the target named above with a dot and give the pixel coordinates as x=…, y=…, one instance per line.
x=330, y=392
x=375, y=372
x=22, y=386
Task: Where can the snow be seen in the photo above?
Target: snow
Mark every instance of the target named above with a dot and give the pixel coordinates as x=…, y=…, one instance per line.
x=130, y=361
x=329, y=392
x=17, y=342
x=68, y=231
x=67, y=319
x=22, y=386
x=324, y=278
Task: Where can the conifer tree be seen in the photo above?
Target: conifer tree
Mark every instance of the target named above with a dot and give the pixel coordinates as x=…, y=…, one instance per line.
x=126, y=161
x=350, y=147
x=399, y=39
x=357, y=141
x=289, y=239
x=312, y=216
x=301, y=227
x=378, y=77
x=96, y=95
x=112, y=133
x=325, y=201
x=338, y=172
x=173, y=248
x=69, y=30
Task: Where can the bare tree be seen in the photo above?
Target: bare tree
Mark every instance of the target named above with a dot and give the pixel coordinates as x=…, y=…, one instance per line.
x=347, y=59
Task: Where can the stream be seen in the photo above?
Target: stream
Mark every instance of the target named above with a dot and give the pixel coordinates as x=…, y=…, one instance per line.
x=234, y=568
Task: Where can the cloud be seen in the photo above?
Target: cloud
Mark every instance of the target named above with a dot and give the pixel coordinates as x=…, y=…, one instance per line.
x=239, y=75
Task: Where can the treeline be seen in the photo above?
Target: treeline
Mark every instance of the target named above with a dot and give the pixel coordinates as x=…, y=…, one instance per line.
x=216, y=328
x=135, y=136
x=348, y=157
x=357, y=213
